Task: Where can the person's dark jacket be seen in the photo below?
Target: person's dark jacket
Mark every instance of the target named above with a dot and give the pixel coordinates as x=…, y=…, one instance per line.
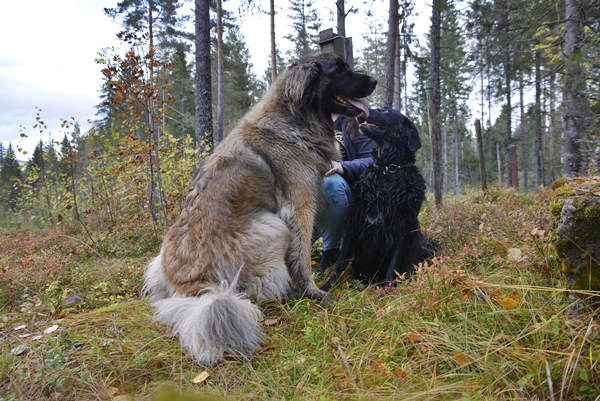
x=358, y=154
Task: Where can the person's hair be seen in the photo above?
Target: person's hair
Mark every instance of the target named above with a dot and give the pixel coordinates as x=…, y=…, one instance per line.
x=351, y=128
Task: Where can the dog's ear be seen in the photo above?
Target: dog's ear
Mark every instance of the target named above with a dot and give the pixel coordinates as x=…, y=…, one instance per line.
x=301, y=82
x=414, y=141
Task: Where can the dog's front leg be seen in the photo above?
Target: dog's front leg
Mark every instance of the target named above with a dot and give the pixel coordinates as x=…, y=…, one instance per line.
x=300, y=223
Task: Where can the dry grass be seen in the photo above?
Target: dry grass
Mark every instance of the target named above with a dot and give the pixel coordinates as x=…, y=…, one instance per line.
x=486, y=320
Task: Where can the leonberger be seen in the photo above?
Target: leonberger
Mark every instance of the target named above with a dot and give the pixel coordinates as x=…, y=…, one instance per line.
x=245, y=231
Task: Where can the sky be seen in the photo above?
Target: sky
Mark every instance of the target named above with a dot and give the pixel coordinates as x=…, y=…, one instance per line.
x=48, y=52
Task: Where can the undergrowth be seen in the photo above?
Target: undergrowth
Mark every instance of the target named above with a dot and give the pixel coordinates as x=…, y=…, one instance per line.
x=486, y=319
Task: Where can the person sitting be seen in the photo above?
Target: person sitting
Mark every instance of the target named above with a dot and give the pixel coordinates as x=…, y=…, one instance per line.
x=355, y=149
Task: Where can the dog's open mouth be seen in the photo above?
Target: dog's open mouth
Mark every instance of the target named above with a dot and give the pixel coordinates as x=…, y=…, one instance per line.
x=363, y=123
x=355, y=103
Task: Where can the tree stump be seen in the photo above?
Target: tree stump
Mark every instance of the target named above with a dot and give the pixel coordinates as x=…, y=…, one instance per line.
x=576, y=212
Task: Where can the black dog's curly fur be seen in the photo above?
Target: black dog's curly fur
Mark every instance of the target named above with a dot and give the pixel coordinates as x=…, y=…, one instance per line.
x=382, y=230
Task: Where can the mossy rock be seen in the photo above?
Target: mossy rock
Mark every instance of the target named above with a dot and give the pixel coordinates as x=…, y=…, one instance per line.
x=576, y=210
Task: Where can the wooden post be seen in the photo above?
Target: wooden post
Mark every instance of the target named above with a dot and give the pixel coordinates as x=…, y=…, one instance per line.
x=332, y=43
x=479, y=138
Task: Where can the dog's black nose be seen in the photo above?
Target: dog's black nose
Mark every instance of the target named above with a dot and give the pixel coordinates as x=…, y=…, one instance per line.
x=373, y=81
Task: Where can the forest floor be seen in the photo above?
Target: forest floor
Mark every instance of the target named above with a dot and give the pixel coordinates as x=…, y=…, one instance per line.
x=488, y=319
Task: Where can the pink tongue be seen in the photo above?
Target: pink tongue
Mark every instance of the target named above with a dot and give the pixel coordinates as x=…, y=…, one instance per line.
x=358, y=104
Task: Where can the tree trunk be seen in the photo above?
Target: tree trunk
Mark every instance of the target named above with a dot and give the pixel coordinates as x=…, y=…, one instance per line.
x=203, y=95
x=397, y=65
x=539, y=166
x=445, y=180
x=456, y=158
x=219, y=71
x=480, y=155
x=433, y=101
x=499, y=162
x=573, y=97
x=508, y=133
x=388, y=97
x=551, y=131
x=273, y=46
x=341, y=18
x=523, y=133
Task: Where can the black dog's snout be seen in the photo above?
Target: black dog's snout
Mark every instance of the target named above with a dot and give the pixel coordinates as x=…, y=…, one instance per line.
x=372, y=81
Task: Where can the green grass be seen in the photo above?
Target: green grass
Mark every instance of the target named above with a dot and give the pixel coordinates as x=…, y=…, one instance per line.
x=486, y=320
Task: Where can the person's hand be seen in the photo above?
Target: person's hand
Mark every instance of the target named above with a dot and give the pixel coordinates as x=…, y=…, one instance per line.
x=335, y=167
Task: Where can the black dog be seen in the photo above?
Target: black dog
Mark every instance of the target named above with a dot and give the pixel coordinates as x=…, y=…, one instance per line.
x=382, y=229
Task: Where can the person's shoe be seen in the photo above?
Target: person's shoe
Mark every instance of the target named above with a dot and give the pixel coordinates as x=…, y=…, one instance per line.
x=328, y=259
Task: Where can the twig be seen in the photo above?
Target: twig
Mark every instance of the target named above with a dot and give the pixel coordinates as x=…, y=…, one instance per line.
x=550, y=384
x=80, y=241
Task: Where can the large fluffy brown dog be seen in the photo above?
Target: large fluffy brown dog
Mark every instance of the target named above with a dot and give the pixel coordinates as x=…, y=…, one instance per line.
x=247, y=223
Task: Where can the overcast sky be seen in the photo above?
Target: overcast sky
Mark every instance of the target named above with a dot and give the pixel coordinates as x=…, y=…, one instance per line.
x=47, y=58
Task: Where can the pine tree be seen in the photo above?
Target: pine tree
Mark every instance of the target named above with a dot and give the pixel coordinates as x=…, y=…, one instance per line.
x=157, y=17
x=372, y=57
x=241, y=89
x=306, y=24
x=10, y=177
x=37, y=165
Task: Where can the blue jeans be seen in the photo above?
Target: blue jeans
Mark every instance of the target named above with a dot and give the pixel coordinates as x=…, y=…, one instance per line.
x=329, y=222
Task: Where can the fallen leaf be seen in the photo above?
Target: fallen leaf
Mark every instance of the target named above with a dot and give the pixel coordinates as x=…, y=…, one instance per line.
x=201, y=377
x=415, y=336
x=38, y=337
x=112, y=391
x=20, y=349
x=461, y=358
x=335, y=340
x=126, y=350
x=466, y=293
x=21, y=327
x=399, y=373
x=301, y=360
x=501, y=337
x=124, y=397
x=514, y=254
x=384, y=312
x=510, y=301
x=271, y=322
x=73, y=299
x=380, y=366
x=51, y=329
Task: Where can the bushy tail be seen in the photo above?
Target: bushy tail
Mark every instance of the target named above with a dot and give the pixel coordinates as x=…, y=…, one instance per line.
x=216, y=322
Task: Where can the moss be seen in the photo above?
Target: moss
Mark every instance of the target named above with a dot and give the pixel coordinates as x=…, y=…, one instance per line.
x=565, y=192
x=592, y=212
x=555, y=210
x=559, y=183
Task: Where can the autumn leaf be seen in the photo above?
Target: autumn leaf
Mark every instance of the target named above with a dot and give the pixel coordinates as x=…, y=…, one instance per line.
x=380, y=366
x=510, y=301
x=461, y=358
x=466, y=293
x=271, y=322
x=415, y=336
x=399, y=373
x=200, y=378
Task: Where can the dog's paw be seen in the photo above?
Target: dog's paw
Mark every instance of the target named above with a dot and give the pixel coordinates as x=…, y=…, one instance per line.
x=322, y=296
